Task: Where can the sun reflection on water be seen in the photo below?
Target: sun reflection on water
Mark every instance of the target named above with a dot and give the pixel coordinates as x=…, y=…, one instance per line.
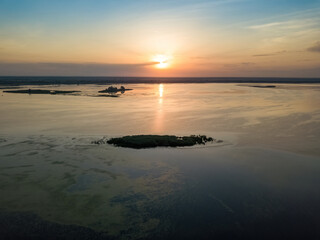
x=158, y=125
x=161, y=90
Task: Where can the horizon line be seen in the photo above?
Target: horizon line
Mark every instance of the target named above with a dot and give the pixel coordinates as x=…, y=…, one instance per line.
x=85, y=76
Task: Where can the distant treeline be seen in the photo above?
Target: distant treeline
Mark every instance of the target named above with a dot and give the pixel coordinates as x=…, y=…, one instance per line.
x=28, y=80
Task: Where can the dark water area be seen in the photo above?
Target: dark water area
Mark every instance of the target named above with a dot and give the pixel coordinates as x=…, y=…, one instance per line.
x=227, y=196
x=49, y=80
x=28, y=226
x=233, y=197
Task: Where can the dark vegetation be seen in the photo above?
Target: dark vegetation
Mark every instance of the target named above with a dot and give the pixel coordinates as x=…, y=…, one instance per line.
x=152, y=141
x=40, y=91
x=112, y=89
x=107, y=95
x=264, y=86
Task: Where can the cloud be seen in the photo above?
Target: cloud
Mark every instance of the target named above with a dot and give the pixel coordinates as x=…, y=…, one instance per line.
x=239, y=65
x=293, y=20
x=315, y=47
x=230, y=65
x=267, y=25
x=264, y=55
x=269, y=54
x=72, y=69
x=292, y=24
x=248, y=63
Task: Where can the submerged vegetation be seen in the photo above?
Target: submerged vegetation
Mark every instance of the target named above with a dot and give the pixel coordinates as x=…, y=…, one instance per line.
x=40, y=91
x=152, y=141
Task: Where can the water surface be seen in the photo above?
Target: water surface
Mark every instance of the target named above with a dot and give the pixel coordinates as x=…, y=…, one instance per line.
x=262, y=183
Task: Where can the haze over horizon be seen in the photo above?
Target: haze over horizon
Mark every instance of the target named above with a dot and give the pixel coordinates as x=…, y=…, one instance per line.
x=219, y=38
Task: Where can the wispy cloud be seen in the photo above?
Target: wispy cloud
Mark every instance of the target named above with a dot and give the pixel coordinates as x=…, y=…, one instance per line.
x=269, y=54
x=248, y=63
x=315, y=47
x=239, y=65
x=288, y=25
x=288, y=19
x=267, y=25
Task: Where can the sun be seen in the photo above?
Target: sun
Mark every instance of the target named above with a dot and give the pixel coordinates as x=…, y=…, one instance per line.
x=162, y=61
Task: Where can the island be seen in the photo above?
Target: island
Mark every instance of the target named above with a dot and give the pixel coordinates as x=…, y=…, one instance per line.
x=107, y=95
x=112, y=89
x=152, y=141
x=40, y=91
x=263, y=86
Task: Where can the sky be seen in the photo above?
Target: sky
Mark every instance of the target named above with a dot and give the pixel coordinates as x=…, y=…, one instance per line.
x=176, y=38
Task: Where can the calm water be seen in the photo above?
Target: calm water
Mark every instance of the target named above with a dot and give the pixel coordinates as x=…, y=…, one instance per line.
x=262, y=183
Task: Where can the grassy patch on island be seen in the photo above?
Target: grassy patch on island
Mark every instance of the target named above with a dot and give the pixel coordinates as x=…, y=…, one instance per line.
x=152, y=141
x=112, y=89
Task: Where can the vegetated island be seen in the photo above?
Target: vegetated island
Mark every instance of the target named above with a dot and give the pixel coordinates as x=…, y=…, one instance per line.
x=40, y=91
x=112, y=89
x=152, y=141
x=107, y=95
x=263, y=86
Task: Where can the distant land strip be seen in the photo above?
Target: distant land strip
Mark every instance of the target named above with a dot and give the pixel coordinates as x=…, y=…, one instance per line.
x=51, y=80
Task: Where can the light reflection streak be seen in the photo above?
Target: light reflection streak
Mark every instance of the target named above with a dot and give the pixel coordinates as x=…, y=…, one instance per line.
x=158, y=127
x=161, y=90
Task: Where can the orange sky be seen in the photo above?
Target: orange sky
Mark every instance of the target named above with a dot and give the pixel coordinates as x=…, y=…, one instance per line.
x=196, y=38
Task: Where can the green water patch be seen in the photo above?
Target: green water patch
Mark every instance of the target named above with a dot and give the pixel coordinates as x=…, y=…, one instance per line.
x=100, y=189
x=152, y=141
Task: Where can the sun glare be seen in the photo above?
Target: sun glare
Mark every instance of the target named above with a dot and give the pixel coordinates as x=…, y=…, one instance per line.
x=162, y=61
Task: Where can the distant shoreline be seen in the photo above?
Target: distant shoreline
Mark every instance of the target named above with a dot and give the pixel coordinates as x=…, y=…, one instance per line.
x=51, y=80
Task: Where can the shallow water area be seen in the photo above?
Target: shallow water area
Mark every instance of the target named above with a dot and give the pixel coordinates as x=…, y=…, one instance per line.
x=265, y=173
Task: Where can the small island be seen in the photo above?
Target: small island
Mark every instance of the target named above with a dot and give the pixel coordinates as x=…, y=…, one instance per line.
x=112, y=89
x=152, y=141
x=263, y=86
x=107, y=95
x=40, y=91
